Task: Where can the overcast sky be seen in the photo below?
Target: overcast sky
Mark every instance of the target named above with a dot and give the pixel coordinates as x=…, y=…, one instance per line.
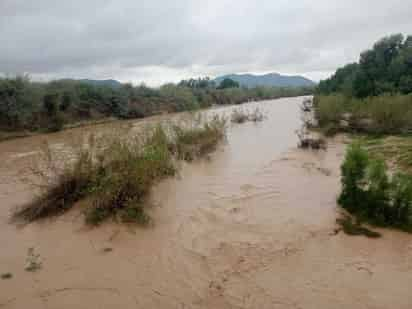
x=157, y=41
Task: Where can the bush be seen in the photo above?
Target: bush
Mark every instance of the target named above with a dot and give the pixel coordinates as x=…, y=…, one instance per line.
x=370, y=194
x=241, y=116
x=126, y=176
x=353, y=172
x=117, y=175
x=198, y=140
x=401, y=197
x=64, y=187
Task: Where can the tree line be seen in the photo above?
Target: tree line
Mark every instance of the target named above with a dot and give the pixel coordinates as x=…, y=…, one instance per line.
x=385, y=68
x=30, y=105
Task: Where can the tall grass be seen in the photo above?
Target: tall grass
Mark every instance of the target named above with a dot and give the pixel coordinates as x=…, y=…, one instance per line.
x=194, y=141
x=385, y=114
x=241, y=116
x=329, y=109
x=116, y=175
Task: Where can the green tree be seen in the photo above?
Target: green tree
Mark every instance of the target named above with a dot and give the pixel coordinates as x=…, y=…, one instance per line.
x=228, y=83
x=386, y=68
x=66, y=101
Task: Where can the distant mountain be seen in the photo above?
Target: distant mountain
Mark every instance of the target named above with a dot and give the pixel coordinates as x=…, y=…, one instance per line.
x=105, y=82
x=269, y=80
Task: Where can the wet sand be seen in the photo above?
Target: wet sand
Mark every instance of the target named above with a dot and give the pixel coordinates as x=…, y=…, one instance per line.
x=251, y=228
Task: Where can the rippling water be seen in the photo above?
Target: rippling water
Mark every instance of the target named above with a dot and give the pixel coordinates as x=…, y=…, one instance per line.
x=253, y=227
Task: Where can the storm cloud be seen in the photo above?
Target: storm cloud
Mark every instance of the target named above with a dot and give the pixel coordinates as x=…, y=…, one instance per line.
x=160, y=40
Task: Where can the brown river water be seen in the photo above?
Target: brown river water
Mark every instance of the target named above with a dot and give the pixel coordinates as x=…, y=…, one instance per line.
x=253, y=227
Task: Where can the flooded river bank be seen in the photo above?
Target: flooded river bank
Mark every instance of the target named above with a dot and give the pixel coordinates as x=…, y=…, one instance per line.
x=251, y=228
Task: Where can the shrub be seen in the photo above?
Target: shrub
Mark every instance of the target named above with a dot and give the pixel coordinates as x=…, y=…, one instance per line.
x=353, y=172
x=370, y=194
x=117, y=175
x=401, y=197
x=377, y=191
x=62, y=188
x=240, y=116
x=126, y=178
x=198, y=140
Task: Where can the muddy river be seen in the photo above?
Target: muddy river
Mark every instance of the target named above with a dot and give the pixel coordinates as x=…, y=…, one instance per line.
x=253, y=227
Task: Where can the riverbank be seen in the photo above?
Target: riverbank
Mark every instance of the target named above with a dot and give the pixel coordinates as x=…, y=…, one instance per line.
x=10, y=135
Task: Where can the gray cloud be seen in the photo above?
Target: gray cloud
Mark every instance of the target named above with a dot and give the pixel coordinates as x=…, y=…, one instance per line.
x=160, y=40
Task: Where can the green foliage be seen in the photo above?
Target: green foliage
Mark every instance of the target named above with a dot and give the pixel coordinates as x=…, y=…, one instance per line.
x=228, y=83
x=353, y=172
x=329, y=109
x=370, y=194
x=194, y=141
x=182, y=97
x=67, y=101
x=386, y=68
x=116, y=176
x=19, y=99
x=341, y=81
x=50, y=103
x=26, y=105
x=202, y=83
x=127, y=174
x=384, y=114
x=401, y=195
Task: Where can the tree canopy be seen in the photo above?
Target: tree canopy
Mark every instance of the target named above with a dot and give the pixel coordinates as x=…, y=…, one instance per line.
x=228, y=83
x=386, y=68
x=28, y=105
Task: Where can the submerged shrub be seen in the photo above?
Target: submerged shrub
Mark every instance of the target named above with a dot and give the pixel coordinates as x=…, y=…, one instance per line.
x=240, y=116
x=127, y=177
x=198, y=140
x=63, y=187
x=117, y=175
x=370, y=194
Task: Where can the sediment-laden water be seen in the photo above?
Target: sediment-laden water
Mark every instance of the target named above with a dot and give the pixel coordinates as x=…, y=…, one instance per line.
x=253, y=227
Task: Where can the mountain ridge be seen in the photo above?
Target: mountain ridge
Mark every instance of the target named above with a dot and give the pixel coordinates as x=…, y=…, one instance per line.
x=268, y=80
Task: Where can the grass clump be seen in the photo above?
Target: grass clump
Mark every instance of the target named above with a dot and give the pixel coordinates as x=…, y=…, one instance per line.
x=61, y=187
x=329, y=110
x=126, y=175
x=369, y=193
x=241, y=116
x=116, y=175
x=198, y=140
x=396, y=150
